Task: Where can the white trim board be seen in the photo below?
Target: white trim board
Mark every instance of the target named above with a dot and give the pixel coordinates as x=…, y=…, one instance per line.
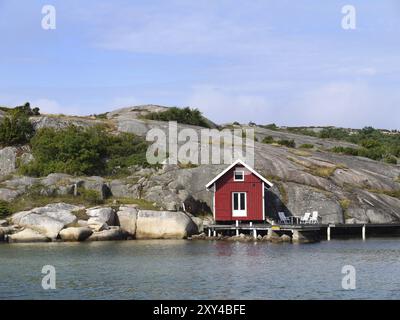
x=208, y=185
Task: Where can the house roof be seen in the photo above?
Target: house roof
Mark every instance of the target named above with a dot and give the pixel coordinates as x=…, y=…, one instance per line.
x=208, y=185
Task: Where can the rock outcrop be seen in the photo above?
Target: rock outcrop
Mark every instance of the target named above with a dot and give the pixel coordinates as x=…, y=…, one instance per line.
x=27, y=235
x=127, y=218
x=48, y=220
x=101, y=215
x=8, y=158
x=341, y=188
x=75, y=233
x=112, y=234
x=59, y=221
x=164, y=225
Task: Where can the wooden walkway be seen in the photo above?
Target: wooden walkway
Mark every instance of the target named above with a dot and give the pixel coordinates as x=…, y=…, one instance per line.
x=328, y=229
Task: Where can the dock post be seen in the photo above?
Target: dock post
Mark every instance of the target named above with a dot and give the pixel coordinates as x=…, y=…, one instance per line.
x=237, y=223
x=328, y=233
x=255, y=233
x=237, y=228
x=215, y=233
x=363, y=231
x=251, y=223
x=209, y=232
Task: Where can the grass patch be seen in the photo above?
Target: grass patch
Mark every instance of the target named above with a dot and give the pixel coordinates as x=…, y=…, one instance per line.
x=34, y=199
x=323, y=172
x=188, y=165
x=390, y=193
x=317, y=170
x=307, y=146
x=284, y=196
x=142, y=204
x=301, y=153
x=345, y=204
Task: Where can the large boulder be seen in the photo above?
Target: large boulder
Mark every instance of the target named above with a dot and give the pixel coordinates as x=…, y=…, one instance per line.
x=101, y=215
x=114, y=233
x=8, y=157
x=48, y=220
x=164, y=225
x=60, y=211
x=75, y=234
x=127, y=217
x=27, y=235
x=38, y=222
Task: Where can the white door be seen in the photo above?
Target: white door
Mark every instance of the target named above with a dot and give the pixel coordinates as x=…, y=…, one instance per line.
x=239, y=204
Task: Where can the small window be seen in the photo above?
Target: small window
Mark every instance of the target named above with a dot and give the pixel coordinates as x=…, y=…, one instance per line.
x=238, y=176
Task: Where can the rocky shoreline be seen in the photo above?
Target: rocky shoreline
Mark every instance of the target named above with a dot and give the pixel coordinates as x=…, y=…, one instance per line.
x=61, y=222
x=66, y=222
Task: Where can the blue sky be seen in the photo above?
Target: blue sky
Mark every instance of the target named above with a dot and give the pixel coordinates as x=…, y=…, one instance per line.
x=288, y=62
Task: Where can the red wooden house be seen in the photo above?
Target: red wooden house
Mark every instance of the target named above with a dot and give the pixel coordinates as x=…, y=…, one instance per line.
x=239, y=194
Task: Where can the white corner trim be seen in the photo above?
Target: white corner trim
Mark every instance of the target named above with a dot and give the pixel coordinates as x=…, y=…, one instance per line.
x=208, y=185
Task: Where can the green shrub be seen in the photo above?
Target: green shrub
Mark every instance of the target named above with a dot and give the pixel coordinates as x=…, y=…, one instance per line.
x=15, y=128
x=287, y=143
x=84, y=151
x=268, y=140
x=390, y=159
x=27, y=110
x=101, y=115
x=307, y=146
x=4, y=208
x=345, y=150
x=185, y=115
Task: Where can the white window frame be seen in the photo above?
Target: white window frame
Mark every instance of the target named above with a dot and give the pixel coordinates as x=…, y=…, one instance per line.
x=238, y=171
x=239, y=213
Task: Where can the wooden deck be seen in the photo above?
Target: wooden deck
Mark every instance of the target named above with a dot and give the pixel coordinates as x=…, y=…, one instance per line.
x=328, y=229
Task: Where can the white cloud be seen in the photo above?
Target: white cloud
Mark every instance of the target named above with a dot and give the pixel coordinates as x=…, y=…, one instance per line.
x=222, y=106
x=346, y=104
x=186, y=28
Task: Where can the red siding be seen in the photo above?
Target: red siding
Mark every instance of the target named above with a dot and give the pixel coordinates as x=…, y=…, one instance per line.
x=252, y=185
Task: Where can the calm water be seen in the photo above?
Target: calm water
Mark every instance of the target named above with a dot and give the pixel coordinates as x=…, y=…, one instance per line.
x=201, y=270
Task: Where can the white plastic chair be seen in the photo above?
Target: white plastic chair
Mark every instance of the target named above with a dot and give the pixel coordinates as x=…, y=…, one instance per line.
x=314, y=217
x=305, y=218
x=283, y=218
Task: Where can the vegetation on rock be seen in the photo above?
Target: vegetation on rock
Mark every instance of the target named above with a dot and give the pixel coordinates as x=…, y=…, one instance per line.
x=4, y=208
x=374, y=144
x=15, y=127
x=84, y=151
x=185, y=116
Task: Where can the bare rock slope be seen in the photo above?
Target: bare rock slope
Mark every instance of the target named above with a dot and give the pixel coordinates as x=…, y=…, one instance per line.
x=341, y=188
